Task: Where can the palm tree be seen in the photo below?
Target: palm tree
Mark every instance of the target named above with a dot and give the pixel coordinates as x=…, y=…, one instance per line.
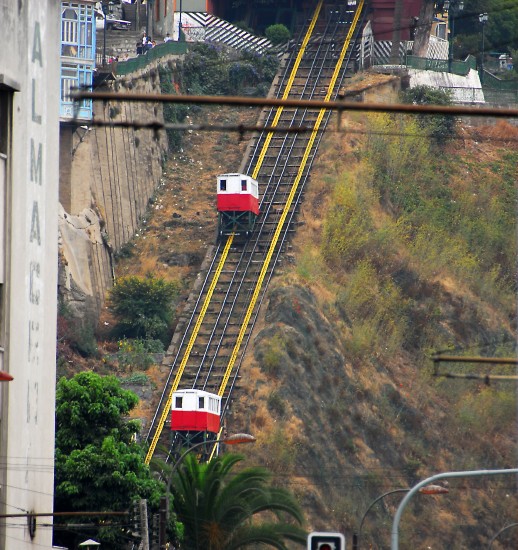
x=218, y=507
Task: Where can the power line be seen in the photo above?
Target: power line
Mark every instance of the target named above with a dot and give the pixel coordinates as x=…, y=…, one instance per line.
x=336, y=105
x=243, y=128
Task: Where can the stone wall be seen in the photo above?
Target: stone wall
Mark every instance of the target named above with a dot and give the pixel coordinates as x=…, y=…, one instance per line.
x=107, y=176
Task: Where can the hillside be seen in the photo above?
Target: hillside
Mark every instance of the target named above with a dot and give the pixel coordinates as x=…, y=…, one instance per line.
x=337, y=383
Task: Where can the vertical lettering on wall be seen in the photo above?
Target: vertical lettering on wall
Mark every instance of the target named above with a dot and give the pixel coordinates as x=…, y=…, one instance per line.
x=35, y=117
x=35, y=224
x=36, y=164
x=34, y=344
x=35, y=209
x=36, y=45
x=34, y=280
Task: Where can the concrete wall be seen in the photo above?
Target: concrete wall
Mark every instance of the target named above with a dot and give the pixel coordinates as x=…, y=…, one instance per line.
x=108, y=175
x=29, y=93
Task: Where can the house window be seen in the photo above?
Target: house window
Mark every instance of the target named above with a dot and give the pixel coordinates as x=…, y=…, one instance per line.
x=223, y=185
x=77, y=28
x=440, y=30
x=178, y=402
x=201, y=402
x=243, y=185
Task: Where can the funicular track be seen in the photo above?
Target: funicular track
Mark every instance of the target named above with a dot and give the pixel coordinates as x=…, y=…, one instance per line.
x=209, y=351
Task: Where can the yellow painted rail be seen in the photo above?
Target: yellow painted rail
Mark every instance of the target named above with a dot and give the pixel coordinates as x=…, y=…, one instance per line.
x=235, y=351
x=289, y=84
x=287, y=206
x=167, y=408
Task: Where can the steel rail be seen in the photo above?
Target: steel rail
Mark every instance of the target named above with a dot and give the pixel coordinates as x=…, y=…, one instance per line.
x=296, y=114
x=250, y=255
x=284, y=235
x=239, y=267
x=287, y=206
x=273, y=175
x=168, y=402
x=244, y=270
x=179, y=373
x=179, y=347
x=317, y=55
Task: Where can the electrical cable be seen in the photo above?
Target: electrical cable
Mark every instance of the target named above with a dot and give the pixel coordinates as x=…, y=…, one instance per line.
x=242, y=129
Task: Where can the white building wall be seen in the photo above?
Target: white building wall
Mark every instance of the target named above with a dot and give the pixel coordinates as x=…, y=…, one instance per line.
x=29, y=64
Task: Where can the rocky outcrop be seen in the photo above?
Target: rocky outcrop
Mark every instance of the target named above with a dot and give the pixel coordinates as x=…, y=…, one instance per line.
x=108, y=175
x=85, y=263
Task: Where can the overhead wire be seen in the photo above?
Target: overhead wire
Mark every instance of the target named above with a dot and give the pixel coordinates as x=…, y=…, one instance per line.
x=332, y=105
x=244, y=129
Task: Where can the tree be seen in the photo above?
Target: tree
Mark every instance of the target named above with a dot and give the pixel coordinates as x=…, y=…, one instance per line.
x=218, y=506
x=98, y=464
x=143, y=306
x=502, y=26
x=424, y=24
x=278, y=34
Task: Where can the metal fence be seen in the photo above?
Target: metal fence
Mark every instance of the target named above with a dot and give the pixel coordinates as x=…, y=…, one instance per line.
x=461, y=68
x=143, y=60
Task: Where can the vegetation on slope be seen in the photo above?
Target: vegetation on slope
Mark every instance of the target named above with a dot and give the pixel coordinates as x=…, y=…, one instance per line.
x=406, y=250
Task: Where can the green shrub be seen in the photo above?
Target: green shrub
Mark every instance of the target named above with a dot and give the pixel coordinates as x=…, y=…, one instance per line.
x=349, y=232
x=273, y=355
x=143, y=306
x=377, y=308
x=439, y=127
x=278, y=34
x=137, y=379
x=276, y=404
x=138, y=353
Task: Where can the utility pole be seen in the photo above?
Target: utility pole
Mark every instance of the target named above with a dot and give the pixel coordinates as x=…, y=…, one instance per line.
x=483, y=17
x=396, y=34
x=143, y=524
x=162, y=523
x=453, y=7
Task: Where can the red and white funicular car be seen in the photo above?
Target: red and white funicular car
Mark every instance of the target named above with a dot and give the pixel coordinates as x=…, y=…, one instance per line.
x=237, y=203
x=195, y=411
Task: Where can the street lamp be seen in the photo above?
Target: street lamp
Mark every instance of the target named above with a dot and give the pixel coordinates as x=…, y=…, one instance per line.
x=427, y=490
x=180, y=23
x=235, y=439
x=5, y=376
x=446, y=475
x=453, y=7
x=149, y=18
x=483, y=17
x=105, y=9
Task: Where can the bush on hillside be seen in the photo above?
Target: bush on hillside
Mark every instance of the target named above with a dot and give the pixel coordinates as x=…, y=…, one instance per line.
x=278, y=34
x=440, y=127
x=143, y=306
x=209, y=69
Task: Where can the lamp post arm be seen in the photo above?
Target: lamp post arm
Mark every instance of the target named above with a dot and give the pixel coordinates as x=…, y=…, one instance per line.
x=445, y=475
x=499, y=533
x=358, y=541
